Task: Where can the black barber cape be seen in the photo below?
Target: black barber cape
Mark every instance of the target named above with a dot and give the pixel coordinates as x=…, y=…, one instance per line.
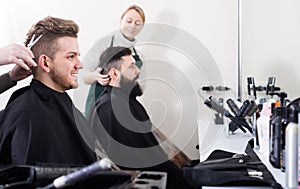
x=40, y=126
x=123, y=128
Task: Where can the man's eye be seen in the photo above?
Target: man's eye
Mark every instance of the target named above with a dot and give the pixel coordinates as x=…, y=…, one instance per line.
x=71, y=57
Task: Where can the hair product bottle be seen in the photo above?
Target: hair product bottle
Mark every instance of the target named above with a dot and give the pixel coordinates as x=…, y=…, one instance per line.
x=298, y=150
x=275, y=148
x=262, y=128
x=291, y=147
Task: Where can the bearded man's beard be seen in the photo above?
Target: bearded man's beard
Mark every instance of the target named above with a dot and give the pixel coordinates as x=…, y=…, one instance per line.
x=133, y=89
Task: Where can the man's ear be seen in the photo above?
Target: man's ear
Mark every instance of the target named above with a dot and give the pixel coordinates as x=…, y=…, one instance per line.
x=114, y=74
x=44, y=62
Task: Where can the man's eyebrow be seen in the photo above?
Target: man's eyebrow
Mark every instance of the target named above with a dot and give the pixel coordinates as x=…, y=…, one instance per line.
x=74, y=52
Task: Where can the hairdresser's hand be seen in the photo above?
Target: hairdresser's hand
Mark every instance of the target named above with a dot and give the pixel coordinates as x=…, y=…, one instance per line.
x=18, y=73
x=17, y=54
x=102, y=79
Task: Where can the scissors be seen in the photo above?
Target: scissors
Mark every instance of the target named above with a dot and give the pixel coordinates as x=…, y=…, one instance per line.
x=33, y=41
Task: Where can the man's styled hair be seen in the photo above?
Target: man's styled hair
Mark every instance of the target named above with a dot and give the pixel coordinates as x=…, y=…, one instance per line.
x=51, y=29
x=112, y=56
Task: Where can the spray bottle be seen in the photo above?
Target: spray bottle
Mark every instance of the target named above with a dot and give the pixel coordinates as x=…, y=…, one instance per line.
x=291, y=147
x=262, y=128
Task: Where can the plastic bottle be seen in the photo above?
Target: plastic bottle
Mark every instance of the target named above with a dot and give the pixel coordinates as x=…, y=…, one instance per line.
x=276, y=152
x=275, y=135
x=298, y=150
x=283, y=128
x=262, y=126
x=291, y=147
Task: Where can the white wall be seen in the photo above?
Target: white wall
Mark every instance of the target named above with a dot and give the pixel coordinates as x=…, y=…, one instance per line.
x=210, y=25
x=271, y=43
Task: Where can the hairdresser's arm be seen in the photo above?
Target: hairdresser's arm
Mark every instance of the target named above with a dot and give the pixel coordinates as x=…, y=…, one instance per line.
x=10, y=79
x=95, y=76
x=90, y=62
x=6, y=82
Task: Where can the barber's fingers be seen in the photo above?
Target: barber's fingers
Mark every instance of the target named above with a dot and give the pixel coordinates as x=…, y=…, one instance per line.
x=22, y=56
x=103, y=80
x=16, y=54
x=18, y=73
x=102, y=76
x=22, y=64
x=99, y=70
x=25, y=59
x=99, y=74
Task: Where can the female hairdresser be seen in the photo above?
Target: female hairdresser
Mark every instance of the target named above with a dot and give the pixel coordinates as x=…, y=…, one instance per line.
x=132, y=22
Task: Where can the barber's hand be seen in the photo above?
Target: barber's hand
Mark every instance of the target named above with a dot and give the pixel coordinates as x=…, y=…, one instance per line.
x=17, y=54
x=102, y=79
x=18, y=73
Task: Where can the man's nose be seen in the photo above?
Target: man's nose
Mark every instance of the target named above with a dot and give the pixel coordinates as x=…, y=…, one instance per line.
x=138, y=71
x=79, y=65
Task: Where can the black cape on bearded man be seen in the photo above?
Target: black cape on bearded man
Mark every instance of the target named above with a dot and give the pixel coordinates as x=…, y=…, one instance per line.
x=40, y=126
x=123, y=128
